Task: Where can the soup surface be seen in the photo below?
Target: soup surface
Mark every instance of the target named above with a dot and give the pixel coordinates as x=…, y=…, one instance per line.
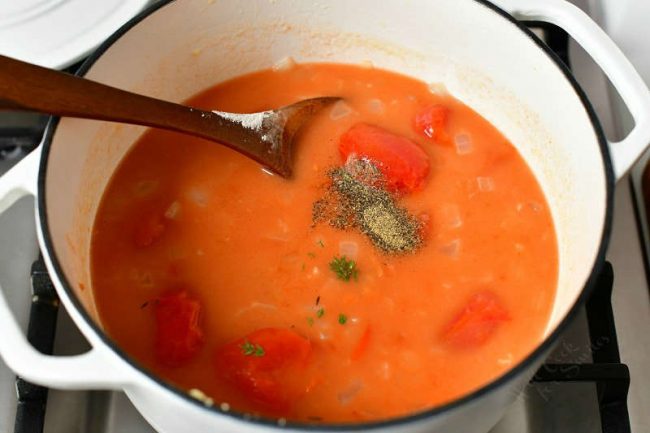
x=411, y=259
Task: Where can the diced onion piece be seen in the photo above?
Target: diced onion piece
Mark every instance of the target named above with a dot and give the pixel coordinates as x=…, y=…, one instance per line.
x=256, y=306
x=485, y=184
x=451, y=216
x=463, y=144
x=173, y=210
x=438, y=89
x=376, y=106
x=347, y=395
x=349, y=249
x=198, y=196
x=452, y=249
x=284, y=64
x=340, y=110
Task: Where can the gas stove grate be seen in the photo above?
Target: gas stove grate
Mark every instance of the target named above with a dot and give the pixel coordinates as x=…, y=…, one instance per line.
x=612, y=379
x=32, y=399
x=15, y=143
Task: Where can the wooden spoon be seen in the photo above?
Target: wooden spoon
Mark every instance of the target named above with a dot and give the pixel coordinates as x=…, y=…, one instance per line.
x=266, y=137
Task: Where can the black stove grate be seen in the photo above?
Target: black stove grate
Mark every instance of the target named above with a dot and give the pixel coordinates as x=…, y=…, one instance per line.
x=16, y=142
x=32, y=399
x=612, y=378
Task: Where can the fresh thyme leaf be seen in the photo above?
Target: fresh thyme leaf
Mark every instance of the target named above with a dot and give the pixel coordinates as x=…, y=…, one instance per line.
x=342, y=318
x=320, y=312
x=344, y=268
x=310, y=321
x=250, y=349
x=259, y=351
x=321, y=243
x=247, y=348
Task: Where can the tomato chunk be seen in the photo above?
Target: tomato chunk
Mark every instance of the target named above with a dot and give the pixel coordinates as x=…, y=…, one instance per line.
x=265, y=366
x=402, y=162
x=149, y=230
x=476, y=322
x=432, y=122
x=179, y=336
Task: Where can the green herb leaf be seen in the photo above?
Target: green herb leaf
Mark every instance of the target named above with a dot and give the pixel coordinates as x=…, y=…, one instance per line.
x=250, y=349
x=321, y=243
x=311, y=255
x=310, y=321
x=320, y=312
x=247, y=348
x=342, y=318
x=344, y=268
x=259, y=351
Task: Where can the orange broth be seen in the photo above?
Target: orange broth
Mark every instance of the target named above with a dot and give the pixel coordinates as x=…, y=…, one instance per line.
x=182, y=215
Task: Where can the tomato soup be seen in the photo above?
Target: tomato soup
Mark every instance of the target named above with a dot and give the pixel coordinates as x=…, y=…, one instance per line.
x=410, y=260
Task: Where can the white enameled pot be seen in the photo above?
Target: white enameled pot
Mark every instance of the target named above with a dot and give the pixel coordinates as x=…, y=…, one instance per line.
x=482, y=55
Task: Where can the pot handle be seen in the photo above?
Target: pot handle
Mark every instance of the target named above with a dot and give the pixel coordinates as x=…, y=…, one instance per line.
x=85, y=371
x=611, y=60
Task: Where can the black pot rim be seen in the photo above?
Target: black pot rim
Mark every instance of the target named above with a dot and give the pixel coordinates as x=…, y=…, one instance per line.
x=521, y=367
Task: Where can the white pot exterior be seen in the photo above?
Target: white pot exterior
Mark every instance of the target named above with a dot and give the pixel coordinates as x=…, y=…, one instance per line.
x=482, y=57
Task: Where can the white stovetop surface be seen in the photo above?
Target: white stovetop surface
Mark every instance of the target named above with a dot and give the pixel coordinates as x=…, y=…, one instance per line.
x=631, y=294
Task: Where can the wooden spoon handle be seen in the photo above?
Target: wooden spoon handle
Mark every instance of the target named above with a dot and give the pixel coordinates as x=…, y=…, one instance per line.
x=27, y=87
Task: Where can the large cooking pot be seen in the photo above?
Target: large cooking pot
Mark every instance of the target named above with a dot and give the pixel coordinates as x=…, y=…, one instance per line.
x=483, y=55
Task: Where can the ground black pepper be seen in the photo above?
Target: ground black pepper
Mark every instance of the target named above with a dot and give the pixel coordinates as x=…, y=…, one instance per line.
x=357, y=198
